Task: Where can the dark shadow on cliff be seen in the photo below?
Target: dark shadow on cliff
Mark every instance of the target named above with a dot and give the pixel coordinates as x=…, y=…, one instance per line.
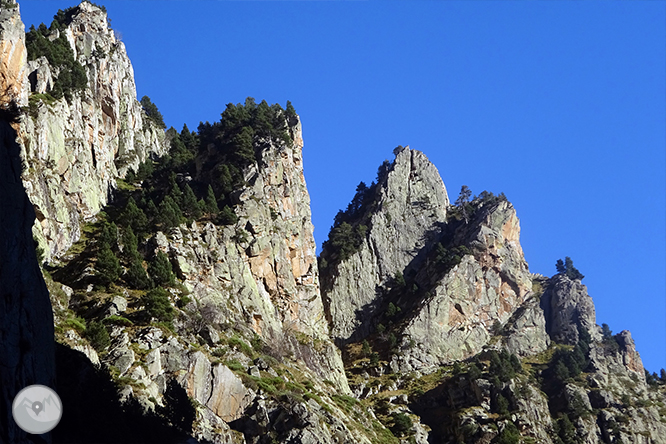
x=93, y=413
x=26, y=320
x=420, y=275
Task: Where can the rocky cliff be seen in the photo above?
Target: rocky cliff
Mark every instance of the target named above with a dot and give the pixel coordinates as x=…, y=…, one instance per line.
x=469, y=345
x=451, y=280
x=76, y=148
x=193, y=307
x=26, y=321
x=408, y=203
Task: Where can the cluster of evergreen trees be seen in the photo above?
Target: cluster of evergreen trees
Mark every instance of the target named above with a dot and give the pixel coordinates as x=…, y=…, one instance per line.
x=349, y=227
x=169, y=196
x=71, y=74
x=237, y=140
x=567, y=268
x=570, y=363
x=466, y=205
x=118, y=246
x=152, y=112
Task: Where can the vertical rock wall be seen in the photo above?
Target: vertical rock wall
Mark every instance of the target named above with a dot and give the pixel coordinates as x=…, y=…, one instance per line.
x=27, y=353
x=75, y=151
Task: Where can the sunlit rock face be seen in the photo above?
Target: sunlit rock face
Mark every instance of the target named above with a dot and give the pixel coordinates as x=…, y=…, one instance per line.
x=410, y=204
x=75, y=150
x=487, y=287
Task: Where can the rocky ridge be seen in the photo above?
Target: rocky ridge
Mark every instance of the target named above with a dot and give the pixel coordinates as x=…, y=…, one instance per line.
x=462, y=343
x=409, y=203
x=460, y=313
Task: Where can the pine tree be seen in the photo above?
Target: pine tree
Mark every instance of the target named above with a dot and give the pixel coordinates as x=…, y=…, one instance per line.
x=136, y=275
x=107, y=267
x=175, y=192
x=109, y=234
x=560, y=266
x=130, y=244
x=391, y=310
x=98, y=336
x=501, y=405
x=169, y=214
x=462, y=202
x=145, y=170
x=244, y=146
x=227, y=216
x=365, y=349
x=134, y=217
x=290, y=112
x=190, y=204
x=151, y=111
x=160, y=270
x=567, y=430
x=151, y=210
x=189, y=138
x=509, y=435
x=158, y=305
x=571, y=271
x=223, y=179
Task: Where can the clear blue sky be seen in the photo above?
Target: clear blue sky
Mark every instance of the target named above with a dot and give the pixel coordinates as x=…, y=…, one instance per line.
x=560, y=105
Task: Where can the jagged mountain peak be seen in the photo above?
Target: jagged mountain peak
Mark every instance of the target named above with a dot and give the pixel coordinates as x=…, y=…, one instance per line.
x=380, y=234
x=216, y=326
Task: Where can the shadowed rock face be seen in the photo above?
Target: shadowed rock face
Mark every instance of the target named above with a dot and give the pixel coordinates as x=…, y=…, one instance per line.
x=27, y=353
x=26, y=321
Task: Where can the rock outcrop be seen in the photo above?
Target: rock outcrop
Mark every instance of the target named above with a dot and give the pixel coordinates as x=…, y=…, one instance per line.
x=449, y=313
x=409, y=205
x=13, y=55
x=262, y=272
x=483, y=290
x=567, y=308
x=75, y=149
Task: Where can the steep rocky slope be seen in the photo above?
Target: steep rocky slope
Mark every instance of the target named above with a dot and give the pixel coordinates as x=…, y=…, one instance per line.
x=408, y=202
x=26, y=321
x=76, y=148
x=451, y=279
x=186, y=295
x=253, y=280
x=467, y=344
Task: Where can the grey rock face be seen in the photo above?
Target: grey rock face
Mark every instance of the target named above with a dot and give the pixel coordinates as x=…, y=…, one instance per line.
x=411, y=203
x=526, y=330
x=268, y=283
x=76, y=150
x=568, y=307
x=485, y=288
